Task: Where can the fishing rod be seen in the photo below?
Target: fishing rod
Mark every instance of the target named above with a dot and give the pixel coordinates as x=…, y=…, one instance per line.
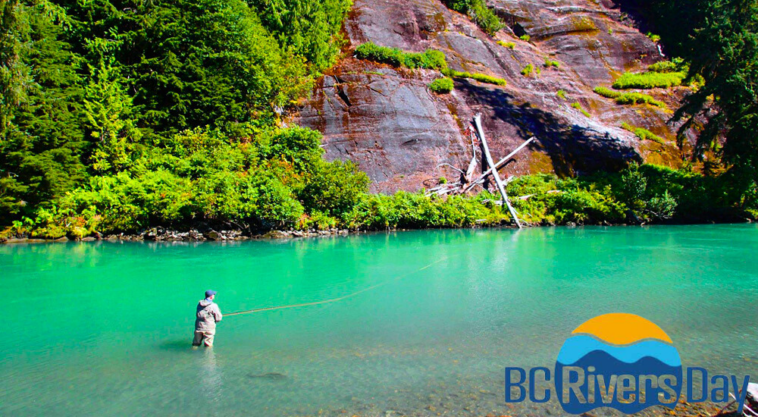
x=334, y=300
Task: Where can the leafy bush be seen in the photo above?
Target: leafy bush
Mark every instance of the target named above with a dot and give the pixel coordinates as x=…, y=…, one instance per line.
x=561, y=95
x=649, y=80
x=442, y=85
x=430, y=59
x=477, y=10
x=549, y=63
x=525, y=38
x=643, y=134
x=509, y=45
x=528, y=70
x=488, y=79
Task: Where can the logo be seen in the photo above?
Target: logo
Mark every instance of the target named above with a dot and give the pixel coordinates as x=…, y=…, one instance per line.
x=620, y=361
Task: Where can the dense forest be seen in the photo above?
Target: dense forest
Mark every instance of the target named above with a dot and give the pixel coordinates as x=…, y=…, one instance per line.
x=123, y=115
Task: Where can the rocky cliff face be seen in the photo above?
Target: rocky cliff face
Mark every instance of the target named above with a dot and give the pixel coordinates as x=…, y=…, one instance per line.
x=401, y=134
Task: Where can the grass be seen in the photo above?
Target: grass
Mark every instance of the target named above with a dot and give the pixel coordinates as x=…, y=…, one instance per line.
x=561, y=95
x=642, y=133
x=509, y=45
x=487, y=79
x=663, y=66
x=607, y=92
x=648, y=80
x=549, y=63
x=629, y=98
x=442, y=86
x=639, y=98
x=525, y=38
x=528, y=70
x=579, y=107
x=429, y=59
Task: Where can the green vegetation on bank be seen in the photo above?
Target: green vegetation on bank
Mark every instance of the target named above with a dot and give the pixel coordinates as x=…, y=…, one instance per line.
x=629, y=98
x=648, y=80
x=509, y=45
x=478, y=11
x=101, y=101
x=642, y=133
x=719, y=41
x=487, y=79
x=528, y=70
x=442, y=86
x=429, y=59
x=336, y=197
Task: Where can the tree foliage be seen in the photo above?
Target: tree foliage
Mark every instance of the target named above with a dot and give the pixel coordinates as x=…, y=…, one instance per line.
x=94, y=91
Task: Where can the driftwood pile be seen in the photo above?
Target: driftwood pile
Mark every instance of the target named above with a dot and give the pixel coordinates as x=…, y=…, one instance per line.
x=467, y=181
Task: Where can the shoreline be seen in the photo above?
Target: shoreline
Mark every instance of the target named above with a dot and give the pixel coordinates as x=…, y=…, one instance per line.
x=160, y=234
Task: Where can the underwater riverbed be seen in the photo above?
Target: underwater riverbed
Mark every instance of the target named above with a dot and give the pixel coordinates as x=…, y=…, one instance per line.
x=432, y=319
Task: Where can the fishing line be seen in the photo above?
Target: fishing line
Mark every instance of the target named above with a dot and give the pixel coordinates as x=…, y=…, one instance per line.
x=334, y=300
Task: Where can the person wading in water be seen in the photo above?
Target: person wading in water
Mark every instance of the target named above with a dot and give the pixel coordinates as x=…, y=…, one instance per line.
x=208, y=314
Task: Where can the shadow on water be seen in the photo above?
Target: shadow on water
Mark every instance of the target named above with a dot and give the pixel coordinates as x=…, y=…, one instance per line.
x=571, y=148
x=176, y=345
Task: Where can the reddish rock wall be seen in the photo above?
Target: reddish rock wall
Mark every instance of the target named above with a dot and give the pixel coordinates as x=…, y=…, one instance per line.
x=386, y=120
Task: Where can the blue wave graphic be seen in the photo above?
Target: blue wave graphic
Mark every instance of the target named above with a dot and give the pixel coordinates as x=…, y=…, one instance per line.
x=577, y=347
x=608, y=369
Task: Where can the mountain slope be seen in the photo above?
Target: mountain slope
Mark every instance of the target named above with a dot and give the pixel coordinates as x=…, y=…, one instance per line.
x=386, y=120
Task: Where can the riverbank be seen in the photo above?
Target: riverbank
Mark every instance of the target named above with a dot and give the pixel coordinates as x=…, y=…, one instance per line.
x=646, y=194
x=160, y=234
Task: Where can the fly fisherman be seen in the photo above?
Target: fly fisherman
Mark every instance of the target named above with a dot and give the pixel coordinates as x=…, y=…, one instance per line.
x=208, y=314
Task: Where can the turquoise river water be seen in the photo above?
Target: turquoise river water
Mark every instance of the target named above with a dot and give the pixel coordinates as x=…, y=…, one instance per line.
x=105, y=328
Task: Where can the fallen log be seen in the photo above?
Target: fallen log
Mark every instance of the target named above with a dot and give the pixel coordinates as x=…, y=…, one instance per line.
x=500, y=186
x=499, y=165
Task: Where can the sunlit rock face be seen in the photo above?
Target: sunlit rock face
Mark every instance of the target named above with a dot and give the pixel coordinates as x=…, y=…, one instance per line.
x=406, y=137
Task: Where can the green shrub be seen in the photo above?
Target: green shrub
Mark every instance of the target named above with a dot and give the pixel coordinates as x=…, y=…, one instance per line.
x=639, y=98
x=478, y=11
x=509, y=45
x=663, y=66
x=528, y=70
x=649, y=80
x=488, y=79
x=653, y=37
x=549, y=63
x=561, y=95
x=442, y=85
x=525, y=38
x=430, y=59
x=579, y=107
x=607, y=92
x=643, y=134
x=628, y=98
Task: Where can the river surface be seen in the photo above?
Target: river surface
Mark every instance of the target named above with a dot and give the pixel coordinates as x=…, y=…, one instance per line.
x=431, y=321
